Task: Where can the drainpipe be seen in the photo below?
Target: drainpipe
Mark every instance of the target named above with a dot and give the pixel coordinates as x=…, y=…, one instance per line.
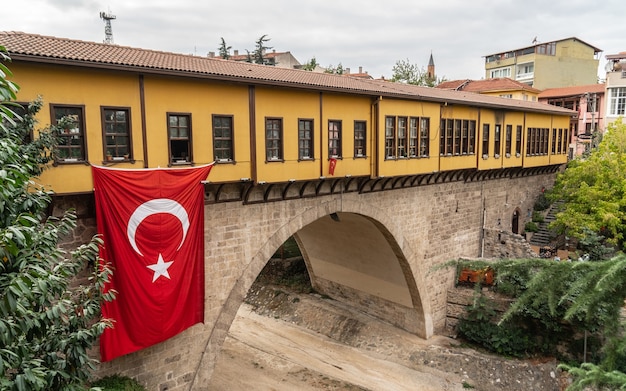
x=484, y=219
x=375, y=137
x=144, y=137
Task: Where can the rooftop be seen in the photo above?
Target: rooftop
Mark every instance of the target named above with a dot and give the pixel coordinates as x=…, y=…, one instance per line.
x=487, y=85
x=572, y=91
x=67, y=52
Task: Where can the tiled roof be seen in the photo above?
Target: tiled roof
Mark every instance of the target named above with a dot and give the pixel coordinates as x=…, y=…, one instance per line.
x=487, y=85
x=572, y=91
x=46, y=49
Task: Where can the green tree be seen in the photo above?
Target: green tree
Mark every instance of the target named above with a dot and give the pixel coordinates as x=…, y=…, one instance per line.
x=405, y=72
x=310, y=65
x=337, y=70
x=224, y=50
x=258, y=56
x=47, y=325
x=594, y=191
x=8, y=89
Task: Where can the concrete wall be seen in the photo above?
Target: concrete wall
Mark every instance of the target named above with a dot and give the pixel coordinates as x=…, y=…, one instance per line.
x=419, y=228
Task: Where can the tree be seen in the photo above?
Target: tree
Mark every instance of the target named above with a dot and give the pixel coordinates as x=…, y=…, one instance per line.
x=310, y=65
x=260, y=49
x=405, y=72
x=224, y=50
x=338, y=70
x=47, y=325
x=8, y=90
x=594, y=191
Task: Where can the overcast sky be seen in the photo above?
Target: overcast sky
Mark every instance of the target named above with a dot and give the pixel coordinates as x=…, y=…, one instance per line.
x=373, y=34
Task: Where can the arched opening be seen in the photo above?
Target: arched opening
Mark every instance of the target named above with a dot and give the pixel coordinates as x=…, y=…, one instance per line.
x=515, y=221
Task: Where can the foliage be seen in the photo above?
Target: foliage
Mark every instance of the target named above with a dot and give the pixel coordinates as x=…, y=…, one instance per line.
x=258, y=57
x=46, y=326
x=337, y=70
x=542, y=203
x=310, y=65
x=8, y=91
x=594, y=191
x=224, y=50
x=118, y=383
x=592, y=244
x=591, y=375
x=531, y=226
x=538, y=217
x=405, y=72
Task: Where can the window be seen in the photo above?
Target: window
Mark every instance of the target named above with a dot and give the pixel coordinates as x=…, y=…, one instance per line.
x=537, y=141
x=390, y=137
x=457, y=136
x=496, y=140
x=554, y=136
x=359, y=138
x=116, y=128
x=179, y=134
x=424, y=137
x=223, y=138
x=71, y=146
x=305, y=139
x=21, y=110
x=525, y=70
x=449, y=136
x=485, y=140
x=510, y=96
x=413, y=136
x=508, y=140
x=617, y=101
x=273, y=139
x=500, y=72
x=566, y=135
x=402, y=136
x=334, y=138
x=518, y=140
x=472, y=137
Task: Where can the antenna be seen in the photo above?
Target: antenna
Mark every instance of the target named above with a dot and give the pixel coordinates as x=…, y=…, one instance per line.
x=108, y=31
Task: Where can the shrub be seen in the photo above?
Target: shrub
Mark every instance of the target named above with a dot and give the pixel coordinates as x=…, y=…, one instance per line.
x=531, y=226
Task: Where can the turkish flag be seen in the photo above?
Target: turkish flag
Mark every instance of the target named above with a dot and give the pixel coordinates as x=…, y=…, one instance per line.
x=151, y=222
x=332, y=163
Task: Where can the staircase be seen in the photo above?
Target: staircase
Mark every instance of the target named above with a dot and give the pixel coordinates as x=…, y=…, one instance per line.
x=546, y=237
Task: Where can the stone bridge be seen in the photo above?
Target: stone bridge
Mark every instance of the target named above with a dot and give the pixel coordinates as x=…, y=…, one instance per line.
x=376, y=248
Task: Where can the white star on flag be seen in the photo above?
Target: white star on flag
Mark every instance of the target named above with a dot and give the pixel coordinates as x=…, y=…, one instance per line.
x=160, y=268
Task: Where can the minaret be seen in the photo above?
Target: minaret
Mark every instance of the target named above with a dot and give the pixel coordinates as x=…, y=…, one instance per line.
x=431, y=68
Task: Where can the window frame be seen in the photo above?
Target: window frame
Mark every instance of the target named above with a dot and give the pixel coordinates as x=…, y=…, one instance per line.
x=310, y=139
x=178, y=161
x=277, y=142
x=219, y=140
x=106, y=149
x=81, y=134
x=334, y=142
x=360, y=139
x=617, y=101
x=485, y=140
x=424, y=137
x=390, y=137
x=508, y=141
x=497, y=140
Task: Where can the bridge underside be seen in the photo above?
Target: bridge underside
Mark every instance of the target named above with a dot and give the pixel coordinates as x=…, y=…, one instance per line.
x=371, y=272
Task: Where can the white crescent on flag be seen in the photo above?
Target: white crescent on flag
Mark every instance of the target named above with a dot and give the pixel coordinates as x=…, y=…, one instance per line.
x=155, y=206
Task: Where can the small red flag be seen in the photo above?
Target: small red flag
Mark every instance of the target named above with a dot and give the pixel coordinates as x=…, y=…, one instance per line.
x=331, y=166
x=151, y=222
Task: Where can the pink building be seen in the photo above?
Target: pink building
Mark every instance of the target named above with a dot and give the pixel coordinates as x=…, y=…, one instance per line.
x=589, y=102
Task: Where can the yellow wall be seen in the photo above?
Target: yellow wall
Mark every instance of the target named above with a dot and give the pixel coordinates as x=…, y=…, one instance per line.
x=404, y=166
x=202, y=99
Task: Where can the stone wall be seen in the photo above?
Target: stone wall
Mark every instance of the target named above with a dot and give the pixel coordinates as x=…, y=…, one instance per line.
x=429, y=225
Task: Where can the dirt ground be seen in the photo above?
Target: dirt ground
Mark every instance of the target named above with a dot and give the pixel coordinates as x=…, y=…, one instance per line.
x=284, y=340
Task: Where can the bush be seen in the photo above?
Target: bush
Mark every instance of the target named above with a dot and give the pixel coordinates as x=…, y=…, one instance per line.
x=538, y=217
x=542, y=202
x=531, y=226
x=118, y=383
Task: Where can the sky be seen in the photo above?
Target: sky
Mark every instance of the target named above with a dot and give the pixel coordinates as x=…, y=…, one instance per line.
x=371, y=34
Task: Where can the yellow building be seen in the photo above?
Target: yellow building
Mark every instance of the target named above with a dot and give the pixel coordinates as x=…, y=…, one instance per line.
x=137, y=108
x=562, y=63
x=502, y=87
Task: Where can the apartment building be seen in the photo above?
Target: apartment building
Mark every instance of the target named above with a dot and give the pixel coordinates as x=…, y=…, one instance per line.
x=615, y=86
x=561, y=63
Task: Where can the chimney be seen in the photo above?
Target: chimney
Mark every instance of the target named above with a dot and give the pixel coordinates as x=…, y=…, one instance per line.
x=236, y=52
x=211, y=54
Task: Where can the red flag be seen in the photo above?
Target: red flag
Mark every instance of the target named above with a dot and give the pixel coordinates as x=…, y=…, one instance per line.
x=151, y=222
x=332, y=163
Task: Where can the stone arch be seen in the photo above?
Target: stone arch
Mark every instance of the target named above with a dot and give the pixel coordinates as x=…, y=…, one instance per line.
x=390, y=230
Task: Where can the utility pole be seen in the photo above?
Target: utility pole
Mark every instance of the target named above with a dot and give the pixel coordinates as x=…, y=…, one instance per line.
x=108, y=30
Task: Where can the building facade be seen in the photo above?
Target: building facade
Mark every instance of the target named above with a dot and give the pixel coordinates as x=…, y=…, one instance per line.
x=590, y=105
x=137, y=108
x=562, y=63
x=615, y=86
